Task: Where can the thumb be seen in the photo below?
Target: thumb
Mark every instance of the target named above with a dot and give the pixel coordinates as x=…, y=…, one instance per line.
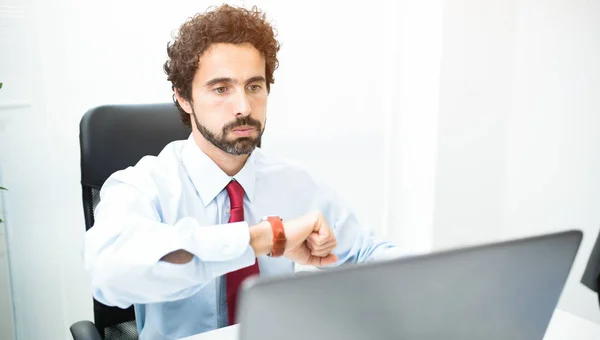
x=324, y=232
x=327, y=260
x=318, y=221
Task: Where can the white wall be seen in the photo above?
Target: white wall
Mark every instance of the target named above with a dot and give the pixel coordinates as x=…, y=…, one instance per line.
x=553, y=150
x=519, y=148
x=427, y=116
x=19, y=134
x=474, y=105
x=6, y=301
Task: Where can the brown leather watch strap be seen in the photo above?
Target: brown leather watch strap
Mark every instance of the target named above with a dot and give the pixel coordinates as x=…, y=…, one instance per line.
x=279, y=239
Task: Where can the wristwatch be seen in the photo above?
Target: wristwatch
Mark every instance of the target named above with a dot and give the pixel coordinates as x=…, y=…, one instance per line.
x=279, y=238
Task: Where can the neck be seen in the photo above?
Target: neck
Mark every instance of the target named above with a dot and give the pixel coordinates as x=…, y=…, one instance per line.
x=230, y=164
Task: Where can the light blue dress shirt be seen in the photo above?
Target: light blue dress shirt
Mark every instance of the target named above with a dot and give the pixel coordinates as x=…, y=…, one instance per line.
x=177, y=200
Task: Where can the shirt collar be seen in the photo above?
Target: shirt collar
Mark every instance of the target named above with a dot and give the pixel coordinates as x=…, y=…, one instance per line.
x=209, y=179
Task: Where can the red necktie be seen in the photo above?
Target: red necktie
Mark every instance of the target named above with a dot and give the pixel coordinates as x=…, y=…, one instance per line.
x=234, y=279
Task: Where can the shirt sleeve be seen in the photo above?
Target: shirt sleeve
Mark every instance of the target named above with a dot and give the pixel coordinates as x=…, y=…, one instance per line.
x=355, y=242
x=122, y=251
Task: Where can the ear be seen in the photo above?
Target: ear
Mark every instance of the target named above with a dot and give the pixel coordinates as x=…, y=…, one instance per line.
x=185, y=104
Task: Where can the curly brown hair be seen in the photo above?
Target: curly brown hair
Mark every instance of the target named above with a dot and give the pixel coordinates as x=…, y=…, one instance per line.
x=223, y=24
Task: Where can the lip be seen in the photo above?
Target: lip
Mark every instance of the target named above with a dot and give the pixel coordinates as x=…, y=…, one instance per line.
x=243, y=128
x=243, y=131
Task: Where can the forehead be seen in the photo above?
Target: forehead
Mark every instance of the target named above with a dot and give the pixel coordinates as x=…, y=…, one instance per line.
x=229, y=60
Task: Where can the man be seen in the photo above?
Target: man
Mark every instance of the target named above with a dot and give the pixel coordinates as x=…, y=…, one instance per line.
x=177, y=233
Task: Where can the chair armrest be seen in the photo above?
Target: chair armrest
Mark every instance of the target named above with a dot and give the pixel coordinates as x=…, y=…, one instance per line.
x=85, y=330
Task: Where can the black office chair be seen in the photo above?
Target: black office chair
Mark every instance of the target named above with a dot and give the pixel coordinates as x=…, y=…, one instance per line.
x=591, y=274
x=112, y=138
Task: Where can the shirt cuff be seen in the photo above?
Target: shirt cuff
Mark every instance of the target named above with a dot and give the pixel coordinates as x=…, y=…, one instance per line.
x=223, y=242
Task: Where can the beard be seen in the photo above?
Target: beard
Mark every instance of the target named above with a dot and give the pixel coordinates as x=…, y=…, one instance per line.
x=237, y=147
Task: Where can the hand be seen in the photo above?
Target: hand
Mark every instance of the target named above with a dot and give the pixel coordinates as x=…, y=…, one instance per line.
x=310, y=240
x=178, y=257
x=323, y=242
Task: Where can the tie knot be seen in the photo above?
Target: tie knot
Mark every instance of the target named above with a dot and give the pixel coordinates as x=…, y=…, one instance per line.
x=236, y=194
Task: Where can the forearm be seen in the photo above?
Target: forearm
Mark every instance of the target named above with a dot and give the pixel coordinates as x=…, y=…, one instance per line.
x=375, y=249
x=121, y=286
x=124, y=258
x=260, y=241
x=154, y=262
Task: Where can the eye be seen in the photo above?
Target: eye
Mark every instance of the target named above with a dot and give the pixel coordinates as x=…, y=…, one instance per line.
x=254, y=88
x=220, y=90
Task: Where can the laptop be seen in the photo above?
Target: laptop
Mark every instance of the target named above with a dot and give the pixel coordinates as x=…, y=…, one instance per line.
x=504, y=290
x=591, y=274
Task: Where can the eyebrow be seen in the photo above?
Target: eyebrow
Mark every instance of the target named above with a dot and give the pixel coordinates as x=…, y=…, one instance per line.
x=215, y=81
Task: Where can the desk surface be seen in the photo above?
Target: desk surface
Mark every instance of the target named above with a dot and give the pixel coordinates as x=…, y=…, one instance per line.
x=562, y=326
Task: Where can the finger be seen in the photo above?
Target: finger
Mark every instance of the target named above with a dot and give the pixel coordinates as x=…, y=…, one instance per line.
x=324, y=234
x=332, y=243
x=329, y=259
x=321, y=253
x=319, y=222
x=325, y=249
x=314, y=240
x=320, y=241
x=313, y=244
x=323, y=261
x=314, y=247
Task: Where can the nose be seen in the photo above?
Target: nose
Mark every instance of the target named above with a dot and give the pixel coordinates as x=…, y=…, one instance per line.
x=242, y=105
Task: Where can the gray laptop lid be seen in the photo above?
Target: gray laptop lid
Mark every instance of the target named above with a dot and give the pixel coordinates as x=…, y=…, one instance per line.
x=506, y=290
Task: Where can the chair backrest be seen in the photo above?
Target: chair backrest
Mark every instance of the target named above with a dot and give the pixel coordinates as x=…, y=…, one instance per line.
x=113, y=137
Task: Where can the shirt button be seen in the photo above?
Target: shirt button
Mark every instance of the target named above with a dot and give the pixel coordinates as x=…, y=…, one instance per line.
x=227, y=210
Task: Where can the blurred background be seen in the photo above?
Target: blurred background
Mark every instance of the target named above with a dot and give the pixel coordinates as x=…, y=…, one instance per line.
x=442, y=122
